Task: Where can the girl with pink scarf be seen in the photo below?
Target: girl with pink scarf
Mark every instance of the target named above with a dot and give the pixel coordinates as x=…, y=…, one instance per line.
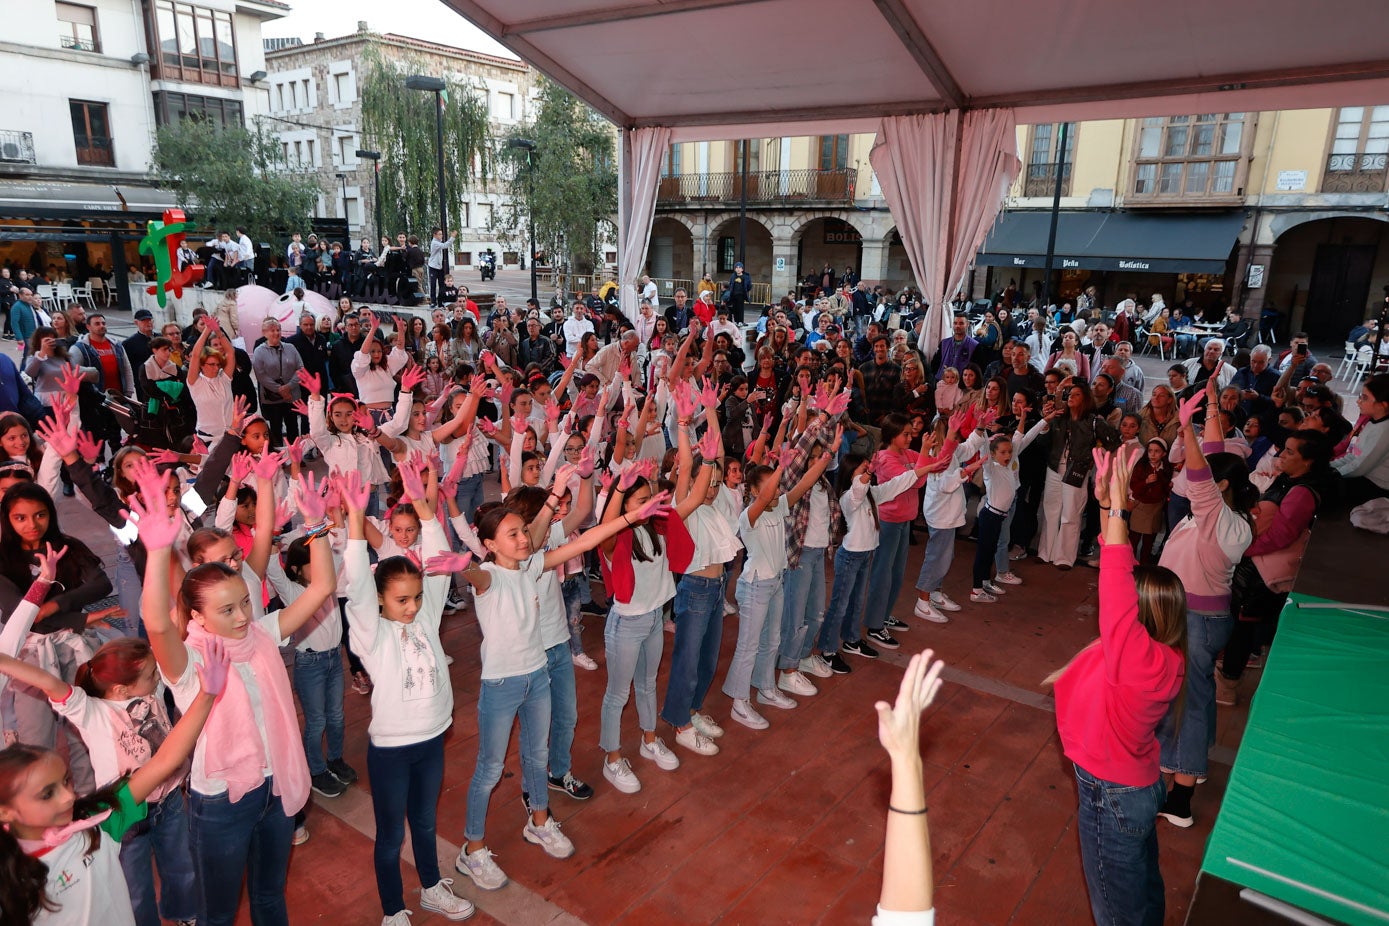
x=249, y=773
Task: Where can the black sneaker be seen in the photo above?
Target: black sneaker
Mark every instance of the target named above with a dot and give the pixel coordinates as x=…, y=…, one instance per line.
x=571, y=786
x=1177, y=808
x=837, y=664
x=892, y=623
x=342, y=771
x=883, y=639
x=327, y=784
x=594, y=609
x=860, y=648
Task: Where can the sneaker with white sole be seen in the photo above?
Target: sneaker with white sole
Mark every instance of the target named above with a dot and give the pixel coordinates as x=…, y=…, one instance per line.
x=441, y=899
x=815, y=665
x=891, y=623
x=927, y=612
x=658, y=752
x=774, y=698
x=481, y=867
x=584, y=661
x=944, y=602
x=569, y=785
x=747, y=715
x=621, y=776
x=979, y=596
x=883, y=639
x=706, y=726
x=696, y=742
x=796, y=683
x=395, y=919
x=548, y=837
x=1008, y=578
x=301, y=836
x=993, y=588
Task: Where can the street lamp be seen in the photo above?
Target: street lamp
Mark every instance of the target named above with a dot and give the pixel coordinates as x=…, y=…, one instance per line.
x=346, y=221
x=375, y=158
x=528, y=146
x=437, y=86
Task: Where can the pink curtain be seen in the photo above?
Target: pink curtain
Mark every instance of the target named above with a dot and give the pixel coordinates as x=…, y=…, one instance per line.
x=944, y=177
x=639, y=175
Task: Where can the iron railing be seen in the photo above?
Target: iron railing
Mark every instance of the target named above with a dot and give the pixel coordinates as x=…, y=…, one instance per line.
x=1040, y=179
x=70, y=41
x=764, y=186
x=1355, y=173
x=17, y=147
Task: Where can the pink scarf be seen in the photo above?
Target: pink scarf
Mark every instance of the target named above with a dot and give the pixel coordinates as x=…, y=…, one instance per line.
x=232, y=747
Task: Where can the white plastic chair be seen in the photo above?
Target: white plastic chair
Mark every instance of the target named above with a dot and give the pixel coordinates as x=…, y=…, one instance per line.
x=95, y=288
x=1363, y=358
x=63, y=295
x=45, y=292
x=1348, y=358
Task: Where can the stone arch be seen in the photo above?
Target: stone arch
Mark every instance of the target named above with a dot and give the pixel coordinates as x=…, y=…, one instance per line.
x=671, y=252
x=759, y=245
x=1281, y=223
x=801, y=220
x=1326, y=269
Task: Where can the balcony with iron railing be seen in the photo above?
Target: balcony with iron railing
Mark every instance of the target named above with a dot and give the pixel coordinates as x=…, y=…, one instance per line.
x=1355, y=173
x=764, y=187
x=75, y=43
x=17, y=147
x=1040, y=179
x=96, y=151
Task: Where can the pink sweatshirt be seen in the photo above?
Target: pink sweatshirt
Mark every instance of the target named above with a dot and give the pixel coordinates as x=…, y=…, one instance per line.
x=888, y=465
x=1113, y=695
x=1204, y=549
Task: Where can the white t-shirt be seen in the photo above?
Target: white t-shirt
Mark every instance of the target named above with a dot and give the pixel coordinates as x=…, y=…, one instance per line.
x=509, y=614
x=82, y=884
x=861, y=530
x=817, y=531
x=213, y=399
x=765, y=542
x=554, y=617
x=715, y=538
x=649, y=292
x=654, y=584
x=321, y=632
x=121, y=736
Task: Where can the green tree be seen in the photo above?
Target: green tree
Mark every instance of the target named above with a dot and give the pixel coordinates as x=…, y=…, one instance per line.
x=569, y=186
x=225, y=176
x=400, y=124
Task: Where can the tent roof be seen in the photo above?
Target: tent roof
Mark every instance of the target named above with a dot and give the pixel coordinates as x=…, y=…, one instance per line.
x=731, y=68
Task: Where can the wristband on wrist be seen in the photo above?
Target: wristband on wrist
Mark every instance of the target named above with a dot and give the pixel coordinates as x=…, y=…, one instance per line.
x=910, y=813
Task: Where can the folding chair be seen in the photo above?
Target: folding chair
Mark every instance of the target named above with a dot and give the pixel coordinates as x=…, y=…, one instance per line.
x=1348, y=358
x=1363, y=358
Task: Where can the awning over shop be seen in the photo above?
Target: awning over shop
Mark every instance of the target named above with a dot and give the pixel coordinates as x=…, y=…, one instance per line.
x=1115, y=241
x=43, y=199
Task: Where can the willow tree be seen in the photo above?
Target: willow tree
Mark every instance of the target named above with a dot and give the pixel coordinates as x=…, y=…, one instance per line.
x=400, y=123
x=568, y=183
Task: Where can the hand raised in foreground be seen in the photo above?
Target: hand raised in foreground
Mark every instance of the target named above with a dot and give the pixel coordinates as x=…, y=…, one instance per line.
x=899, y=724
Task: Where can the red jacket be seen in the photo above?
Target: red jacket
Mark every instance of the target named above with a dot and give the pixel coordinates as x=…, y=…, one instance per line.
x=619, y=578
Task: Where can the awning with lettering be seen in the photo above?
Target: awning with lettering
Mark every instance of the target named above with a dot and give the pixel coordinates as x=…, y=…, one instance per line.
x=61, y=199
x=1124, y=241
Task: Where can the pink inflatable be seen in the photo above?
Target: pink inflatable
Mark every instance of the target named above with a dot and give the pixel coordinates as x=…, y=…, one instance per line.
x=254, y=304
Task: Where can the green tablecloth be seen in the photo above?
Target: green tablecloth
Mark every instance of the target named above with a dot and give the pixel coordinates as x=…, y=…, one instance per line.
x=1306, y=816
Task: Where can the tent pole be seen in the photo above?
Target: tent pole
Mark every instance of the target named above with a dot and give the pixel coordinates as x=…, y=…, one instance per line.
x=1055, y=214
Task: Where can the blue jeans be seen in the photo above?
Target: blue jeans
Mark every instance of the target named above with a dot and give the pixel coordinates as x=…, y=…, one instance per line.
x=248, y=840
x=572, y=589
x=940, y=553
x=499, y=703
x=695, y=654
x=633, y=647
x=803, y=606
x=759, y=635
x=885, y=579
x=1185, y=745
x=161, y=839
x=405, y=784
x=469, y=495
x=846, y=599
x=1119, y=850
x=564, y=708
x=1001, y=562
x=318, y=682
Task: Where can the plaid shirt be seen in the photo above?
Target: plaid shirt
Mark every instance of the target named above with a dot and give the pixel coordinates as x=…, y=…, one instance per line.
x=793, y=470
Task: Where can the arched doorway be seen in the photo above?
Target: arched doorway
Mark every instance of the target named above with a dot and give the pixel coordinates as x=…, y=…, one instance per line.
x=1327, y=272
x=828, y=240
x=897, y=265
x=723, y=250
x=670, y=255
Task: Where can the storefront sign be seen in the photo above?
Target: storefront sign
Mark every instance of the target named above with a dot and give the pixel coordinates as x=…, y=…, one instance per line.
x=837, y=231
x=1290, y=181
x=1134, y=264
x=1256, y=276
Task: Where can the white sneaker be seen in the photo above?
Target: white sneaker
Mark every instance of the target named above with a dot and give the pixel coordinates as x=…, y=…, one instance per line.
x=729, y=607
x=448, y=660
x=774, y=698
x=747, y=715
x=980, y=596
x=696, y=742
x=993, y=588
x=395, y=919
x=658, y=752
x=441, y=899
x=796, y=683
x=481, y=868
x=301, y=836
x=621, y=776
x=584, y=661
x=816, y=666
x=548, y=837
x=706, y=726
x=944, y=602
x=1008, y=578
x=927, y=612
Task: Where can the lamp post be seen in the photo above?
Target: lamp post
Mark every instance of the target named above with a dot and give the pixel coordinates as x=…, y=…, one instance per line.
x=375, y=158
x=528, y=146
x=343, y=178
x=437, y=86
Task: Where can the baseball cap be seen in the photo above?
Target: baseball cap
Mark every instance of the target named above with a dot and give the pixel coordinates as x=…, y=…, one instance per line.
x=143, y=315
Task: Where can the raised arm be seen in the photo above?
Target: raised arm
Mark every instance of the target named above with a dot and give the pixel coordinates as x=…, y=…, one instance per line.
x=265, y=469
x=323, y=578
x=178, y=745
x=158, y=532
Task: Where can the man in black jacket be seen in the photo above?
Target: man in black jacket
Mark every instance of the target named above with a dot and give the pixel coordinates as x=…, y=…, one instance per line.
x=340, y=354
x=738, y=291
x=863, y=305
x=536, y=348
x=137, y=346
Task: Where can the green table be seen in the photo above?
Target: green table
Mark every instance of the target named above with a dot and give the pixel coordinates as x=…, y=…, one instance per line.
x=1305, y=819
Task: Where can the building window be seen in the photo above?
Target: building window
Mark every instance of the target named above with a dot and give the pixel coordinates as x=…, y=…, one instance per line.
x=1191, y=157
x=463, y=215
x=77, y=27
x=1042, y=159
x=1359, y=151
x=345, y=150
x=344, y=88
x=352, y=211
x=728, y=250
x=463, y=258
x=754, y=149
x=834, y=152
x=670, y=164
x=484, y=215
x=171, y=108
x=195, y=44
x=501, y=106
x=91, y=130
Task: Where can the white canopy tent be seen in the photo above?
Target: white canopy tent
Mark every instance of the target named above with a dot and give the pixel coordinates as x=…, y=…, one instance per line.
x=941, y=83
